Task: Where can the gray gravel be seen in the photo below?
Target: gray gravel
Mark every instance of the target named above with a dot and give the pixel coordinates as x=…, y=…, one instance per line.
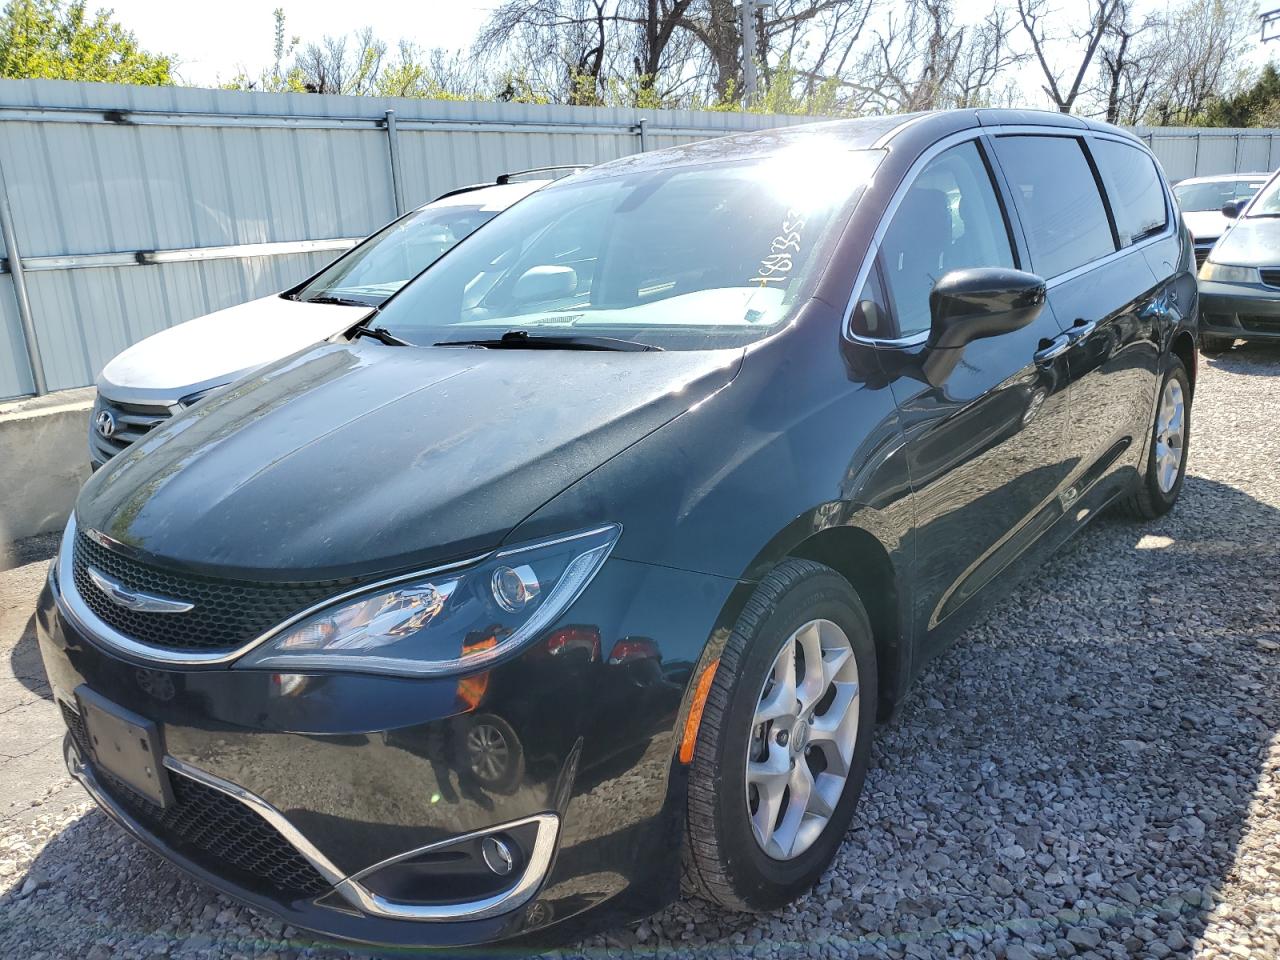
x=1093, y=771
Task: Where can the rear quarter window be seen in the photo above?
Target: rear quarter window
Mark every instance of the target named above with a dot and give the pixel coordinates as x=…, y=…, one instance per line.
x=1057, y=196
x=1133, y=185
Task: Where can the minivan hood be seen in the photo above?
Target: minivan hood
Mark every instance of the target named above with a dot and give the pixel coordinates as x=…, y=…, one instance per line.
x=1205, y=224
x=1251, y=242
x=357, y=459
x=218, y=347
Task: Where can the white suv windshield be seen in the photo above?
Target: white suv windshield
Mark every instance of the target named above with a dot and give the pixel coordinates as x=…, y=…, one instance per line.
x=686, y=257
x=396, y=254
x=1214, y=195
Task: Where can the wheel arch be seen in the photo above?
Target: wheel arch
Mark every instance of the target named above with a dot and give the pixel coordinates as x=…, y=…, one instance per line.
x=1184, y=348
x=859, y=557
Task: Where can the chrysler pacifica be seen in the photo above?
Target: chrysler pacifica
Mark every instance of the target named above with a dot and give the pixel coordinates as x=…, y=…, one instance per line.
x=593, y=558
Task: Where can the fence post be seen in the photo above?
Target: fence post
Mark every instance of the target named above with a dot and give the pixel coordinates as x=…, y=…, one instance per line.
x=34, y=360
x=639, y=131
x=393, y=152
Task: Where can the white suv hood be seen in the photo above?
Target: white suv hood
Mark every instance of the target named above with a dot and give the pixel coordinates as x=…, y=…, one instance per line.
x=220, y=346
x=1205, y=224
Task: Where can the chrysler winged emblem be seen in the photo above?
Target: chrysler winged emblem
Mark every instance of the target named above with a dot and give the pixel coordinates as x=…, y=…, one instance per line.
x=122, y=596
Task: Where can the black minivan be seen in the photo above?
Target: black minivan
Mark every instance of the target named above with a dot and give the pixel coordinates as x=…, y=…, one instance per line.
x=595, y=556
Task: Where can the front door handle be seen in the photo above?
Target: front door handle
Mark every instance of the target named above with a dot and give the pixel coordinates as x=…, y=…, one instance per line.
x=1081, y=330
x=1055, y=348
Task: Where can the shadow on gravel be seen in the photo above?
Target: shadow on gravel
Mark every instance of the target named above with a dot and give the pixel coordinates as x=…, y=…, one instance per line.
x=1248, y=359
x=1074, y=777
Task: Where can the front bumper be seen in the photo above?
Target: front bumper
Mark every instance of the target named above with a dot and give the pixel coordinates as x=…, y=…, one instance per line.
x=354, y=772
x=1246, y=311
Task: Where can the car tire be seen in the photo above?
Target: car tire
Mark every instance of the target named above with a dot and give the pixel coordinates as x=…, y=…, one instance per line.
x=800, y=605
x=1158, y=487
x=1212, y=345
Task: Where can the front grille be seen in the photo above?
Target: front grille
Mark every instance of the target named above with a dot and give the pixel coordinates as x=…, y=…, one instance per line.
x=1201, y=256
x=215, y=830
x=133, y=422
x=227, y=613
x=1271, y=276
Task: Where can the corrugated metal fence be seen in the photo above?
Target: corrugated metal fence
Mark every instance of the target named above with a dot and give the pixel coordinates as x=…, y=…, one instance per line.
x=128, y=209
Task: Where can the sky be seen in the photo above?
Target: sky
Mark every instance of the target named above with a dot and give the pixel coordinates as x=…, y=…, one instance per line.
x=216, y=41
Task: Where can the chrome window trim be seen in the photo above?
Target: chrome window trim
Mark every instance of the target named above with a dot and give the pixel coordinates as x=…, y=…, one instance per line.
x=978, y=133
x=348, y=885
x=73, y=607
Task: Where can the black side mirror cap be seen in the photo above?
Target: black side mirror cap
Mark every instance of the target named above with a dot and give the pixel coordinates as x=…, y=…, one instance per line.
x=968, y=305
x=1232, y=210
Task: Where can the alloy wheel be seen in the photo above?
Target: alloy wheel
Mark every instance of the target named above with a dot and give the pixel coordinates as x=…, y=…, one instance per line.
x=802, y=739
x=1170, y=435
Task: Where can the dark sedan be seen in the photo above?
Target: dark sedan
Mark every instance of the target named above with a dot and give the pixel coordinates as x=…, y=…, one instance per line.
x=595, y=556
x=1240, y=282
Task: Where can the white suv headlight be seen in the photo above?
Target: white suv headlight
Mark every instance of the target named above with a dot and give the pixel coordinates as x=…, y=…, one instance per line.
x=454, y=621
x=1225, y=273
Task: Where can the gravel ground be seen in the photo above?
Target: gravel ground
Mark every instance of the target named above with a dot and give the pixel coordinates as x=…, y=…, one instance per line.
x=1093, y=771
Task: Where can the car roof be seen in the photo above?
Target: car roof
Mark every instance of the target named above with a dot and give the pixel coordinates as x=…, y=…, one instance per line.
x=1223, y=178
x=496, y=196
x=908, y=130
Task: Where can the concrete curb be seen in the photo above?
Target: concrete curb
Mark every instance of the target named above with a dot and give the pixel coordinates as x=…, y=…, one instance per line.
x=44, y=459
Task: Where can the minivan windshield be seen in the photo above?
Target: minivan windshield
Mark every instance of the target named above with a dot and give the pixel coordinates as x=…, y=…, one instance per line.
x=1214, y=195
x=686, y=257
x=397, y=253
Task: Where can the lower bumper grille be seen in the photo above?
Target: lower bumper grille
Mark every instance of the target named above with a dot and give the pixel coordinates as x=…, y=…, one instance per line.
x=214, y=830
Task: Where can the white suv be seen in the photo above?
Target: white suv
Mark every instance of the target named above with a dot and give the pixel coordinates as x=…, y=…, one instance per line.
x=152, y=380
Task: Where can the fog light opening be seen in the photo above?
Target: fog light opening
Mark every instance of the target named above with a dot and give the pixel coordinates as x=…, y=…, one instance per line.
x=498, y=856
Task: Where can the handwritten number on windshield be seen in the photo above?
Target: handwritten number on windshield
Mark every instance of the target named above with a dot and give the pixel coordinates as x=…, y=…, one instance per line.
x=776, y=266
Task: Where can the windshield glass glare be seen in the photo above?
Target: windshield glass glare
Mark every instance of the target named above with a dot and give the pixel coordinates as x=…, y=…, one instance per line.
x=688, y=257
x=397, y=253
x=1202, y=197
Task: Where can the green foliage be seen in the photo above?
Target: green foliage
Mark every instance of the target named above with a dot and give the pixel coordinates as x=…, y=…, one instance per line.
x=47, y=39
x=1255, y=106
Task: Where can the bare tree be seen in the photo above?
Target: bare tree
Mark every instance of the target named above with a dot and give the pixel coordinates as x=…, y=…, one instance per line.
x=1128, y=65
x=329, y=67
x=926, y=61
x=1062, y=85
x=1202, y=44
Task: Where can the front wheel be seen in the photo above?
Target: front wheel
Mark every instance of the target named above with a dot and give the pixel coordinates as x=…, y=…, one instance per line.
x=1161, y=483
x=784, y=741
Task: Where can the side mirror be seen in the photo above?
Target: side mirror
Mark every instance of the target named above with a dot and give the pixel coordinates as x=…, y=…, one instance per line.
x=968, y=305
x=540, y=284
x=1232, y=210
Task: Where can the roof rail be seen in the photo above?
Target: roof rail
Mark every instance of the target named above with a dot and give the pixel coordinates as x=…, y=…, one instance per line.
x=506, y=177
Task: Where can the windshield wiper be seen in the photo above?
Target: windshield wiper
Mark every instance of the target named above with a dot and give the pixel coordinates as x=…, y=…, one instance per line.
x=523, y=340
x=340, y=301
x=381, y=334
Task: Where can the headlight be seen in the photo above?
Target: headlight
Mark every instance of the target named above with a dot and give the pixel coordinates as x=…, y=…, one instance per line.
x=453, y=621
x=1224, y=273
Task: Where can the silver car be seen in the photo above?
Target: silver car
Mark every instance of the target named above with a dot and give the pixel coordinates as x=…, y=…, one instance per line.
x=155, y=378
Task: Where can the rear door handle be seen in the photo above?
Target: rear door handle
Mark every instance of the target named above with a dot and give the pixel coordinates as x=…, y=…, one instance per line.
x=1053, y=350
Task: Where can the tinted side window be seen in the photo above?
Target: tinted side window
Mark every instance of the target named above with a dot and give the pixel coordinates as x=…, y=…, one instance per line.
x=1133, y=185
x=1062, y=212
x=949, y=219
